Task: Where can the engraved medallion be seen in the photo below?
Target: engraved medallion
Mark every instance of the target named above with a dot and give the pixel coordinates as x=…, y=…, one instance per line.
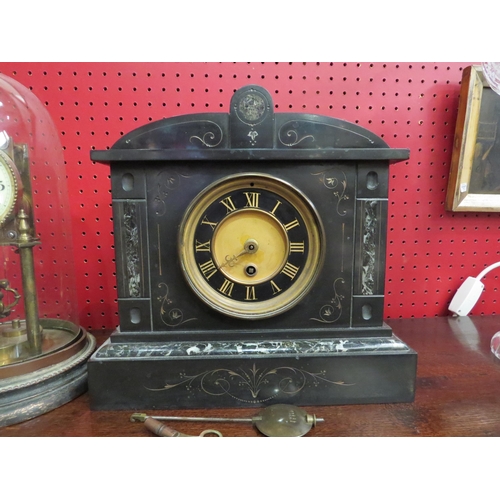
x=251, y=109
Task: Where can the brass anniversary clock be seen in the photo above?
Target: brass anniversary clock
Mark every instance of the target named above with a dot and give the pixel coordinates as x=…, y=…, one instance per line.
x=250, y=251
x=43, y=351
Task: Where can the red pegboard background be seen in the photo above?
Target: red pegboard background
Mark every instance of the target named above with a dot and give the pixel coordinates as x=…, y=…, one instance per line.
x=411, y=105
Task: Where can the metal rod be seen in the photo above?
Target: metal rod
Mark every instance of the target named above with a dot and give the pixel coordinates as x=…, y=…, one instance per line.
x=205, y=419
x=26, y=243
x=141, y=417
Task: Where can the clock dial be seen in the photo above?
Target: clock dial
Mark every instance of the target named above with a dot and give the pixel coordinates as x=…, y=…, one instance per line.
x=251, y=246
x=9, y=187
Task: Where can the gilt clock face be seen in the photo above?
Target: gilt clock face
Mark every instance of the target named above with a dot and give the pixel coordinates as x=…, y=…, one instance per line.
x=251, y=246
x=9, y=186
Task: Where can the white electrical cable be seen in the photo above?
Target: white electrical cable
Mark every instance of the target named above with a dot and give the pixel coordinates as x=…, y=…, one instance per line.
x=484, y=272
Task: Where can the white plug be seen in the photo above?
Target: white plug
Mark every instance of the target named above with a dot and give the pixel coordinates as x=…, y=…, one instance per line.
x=469, y=292
x=466, y=296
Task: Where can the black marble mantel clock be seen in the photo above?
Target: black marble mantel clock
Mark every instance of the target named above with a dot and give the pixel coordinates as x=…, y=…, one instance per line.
x=250, y=253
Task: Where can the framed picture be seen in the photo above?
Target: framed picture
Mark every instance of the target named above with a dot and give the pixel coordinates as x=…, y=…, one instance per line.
x=474, y=181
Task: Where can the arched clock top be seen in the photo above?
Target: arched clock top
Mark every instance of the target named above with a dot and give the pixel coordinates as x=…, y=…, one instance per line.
x=251, y=130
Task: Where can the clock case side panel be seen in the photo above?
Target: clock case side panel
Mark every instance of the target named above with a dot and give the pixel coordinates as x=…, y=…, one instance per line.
x=370, y=244
x=132, y=248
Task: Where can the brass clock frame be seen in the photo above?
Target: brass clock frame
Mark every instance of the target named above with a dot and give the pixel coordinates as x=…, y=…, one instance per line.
x=282, y=300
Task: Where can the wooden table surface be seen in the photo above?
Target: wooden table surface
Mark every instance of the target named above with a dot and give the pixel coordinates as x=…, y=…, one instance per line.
x=458, y=394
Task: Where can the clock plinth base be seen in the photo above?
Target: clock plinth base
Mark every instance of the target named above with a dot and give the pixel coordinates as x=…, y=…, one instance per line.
x=37, y=385
x=218, y=374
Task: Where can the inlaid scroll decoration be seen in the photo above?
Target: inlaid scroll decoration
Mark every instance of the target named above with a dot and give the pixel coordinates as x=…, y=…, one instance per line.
x=327, y=135
x=210, y=138
x=166, y=182
x=332, y=311
x=369, y=247
x=169, y=314
x=132, y=249
x=335, y=181
x=289, y=136
x=227, y=382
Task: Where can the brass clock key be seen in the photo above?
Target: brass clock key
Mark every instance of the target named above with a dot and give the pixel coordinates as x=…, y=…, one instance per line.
x=280, y=420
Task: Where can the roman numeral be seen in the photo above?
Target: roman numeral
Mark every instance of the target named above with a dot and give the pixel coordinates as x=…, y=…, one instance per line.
x=252, y=200
x=290, y=270
x=278, y=203
x=208, y=269
x=213, y=225
x=228, y=203
x=291, y=225
x=202, y=247
x=275, y=287
x=297, y=247
x=227, y=288
x=250, y=293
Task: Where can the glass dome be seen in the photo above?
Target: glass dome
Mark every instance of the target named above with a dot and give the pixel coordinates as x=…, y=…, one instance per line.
x=29, y=137
x=38, y=303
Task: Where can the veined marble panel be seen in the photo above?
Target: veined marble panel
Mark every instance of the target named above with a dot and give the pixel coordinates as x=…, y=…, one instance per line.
x=318, y=347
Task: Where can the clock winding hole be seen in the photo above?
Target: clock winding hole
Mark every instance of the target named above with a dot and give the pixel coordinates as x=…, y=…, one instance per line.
x=251, y=270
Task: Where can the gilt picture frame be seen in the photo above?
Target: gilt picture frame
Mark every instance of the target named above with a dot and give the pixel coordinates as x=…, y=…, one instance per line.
x=474, y=180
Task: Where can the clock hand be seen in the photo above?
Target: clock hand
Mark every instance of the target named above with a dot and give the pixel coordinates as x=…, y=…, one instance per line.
x=250, y=246
x=230, y=261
